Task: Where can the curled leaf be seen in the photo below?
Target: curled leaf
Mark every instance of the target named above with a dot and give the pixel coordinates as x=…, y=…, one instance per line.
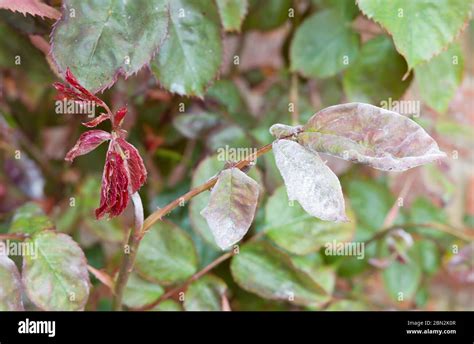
x=134, y=163
x=366, y=134
x=309, y=181
x=281, y=130
x=231, y=207
x=96, y=121
x=74, y=90
x=119, y=116
x=87, y=142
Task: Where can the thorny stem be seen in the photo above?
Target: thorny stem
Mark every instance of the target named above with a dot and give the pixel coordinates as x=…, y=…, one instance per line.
x=135, y=236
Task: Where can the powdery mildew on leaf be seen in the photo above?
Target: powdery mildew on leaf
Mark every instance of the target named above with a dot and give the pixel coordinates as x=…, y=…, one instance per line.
x=10, y=284
x=366, y=134
x=100, y=40
x=231, y=207
x=205, y=294
x=281, y=130
x=57, y=278
x=33, y=7
x=309, y=181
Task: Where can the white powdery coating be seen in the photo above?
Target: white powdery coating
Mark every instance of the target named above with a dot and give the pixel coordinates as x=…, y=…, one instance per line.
x=231, y=207
x=10, y=285
x=370, y=135
x=309, y=181
x=281, y=130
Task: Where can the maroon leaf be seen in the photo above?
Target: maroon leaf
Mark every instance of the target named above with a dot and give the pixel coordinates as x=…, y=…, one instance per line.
x=75, y=91
x=96, y=121
x=33, y=7
x=71, y=79
x=87, y=142
x=135, y=166
x=119, y=116
x=114, y=193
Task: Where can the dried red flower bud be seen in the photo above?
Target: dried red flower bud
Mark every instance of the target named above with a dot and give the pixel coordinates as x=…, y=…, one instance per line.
x=87, y=142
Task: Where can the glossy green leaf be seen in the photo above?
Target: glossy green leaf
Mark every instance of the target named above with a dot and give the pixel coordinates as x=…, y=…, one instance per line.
x=140, y=292
x=296, y=231
x=29, y=219
x=10, y=285
x=439, y=78
x=55, y=276
x=420, y=29
x=232, y=13
x=205, y=294
x=100, y=40
x=323, y=45
x=166, y=254
x=190, y=58
x=368, y=80
x=268, y=272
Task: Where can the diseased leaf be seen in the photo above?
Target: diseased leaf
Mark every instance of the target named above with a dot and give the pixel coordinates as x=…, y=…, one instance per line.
x=368, y=80
x=193, y=126
x=119, y=38
x=323, y=45
x=205, y=294
x=33, y=7
x=291, y=228
x=309, y=181
x=206, y=169
x=190, y=57
x=268, y=272
x=10, y=285
x=232, y=13
x=30, y=219
x=55, y=276
x=231, y=207
x=439, y=78
x=370, y=135
x=140, y=292
x=420, y=29
x=166, y=254
x=281, y=130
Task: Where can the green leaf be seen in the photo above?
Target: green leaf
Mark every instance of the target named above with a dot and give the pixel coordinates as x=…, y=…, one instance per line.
x=347, y=8
x=10, y=286
x=231, y=207
x=266, y=15
x=100, y=40
x=298, y=232
x=232, y=13
x=422, y=210
x=166, y=255
x=55, y=276
x=266, y=271
x=402, y=280
x=420, y=29
x=30, y=219
x=168, y=306
x=205, y=294
x=426, y=254
x=206, y=169
x=312, y=264
x=193, y=126
x=368, y=79
x=348, y=305
x=323, y=45
x=190, y=57
x=439, y=78
x=140, y=292
x=370, y=135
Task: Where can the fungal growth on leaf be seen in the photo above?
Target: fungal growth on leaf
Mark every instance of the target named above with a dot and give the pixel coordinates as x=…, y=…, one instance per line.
x=357, y=132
